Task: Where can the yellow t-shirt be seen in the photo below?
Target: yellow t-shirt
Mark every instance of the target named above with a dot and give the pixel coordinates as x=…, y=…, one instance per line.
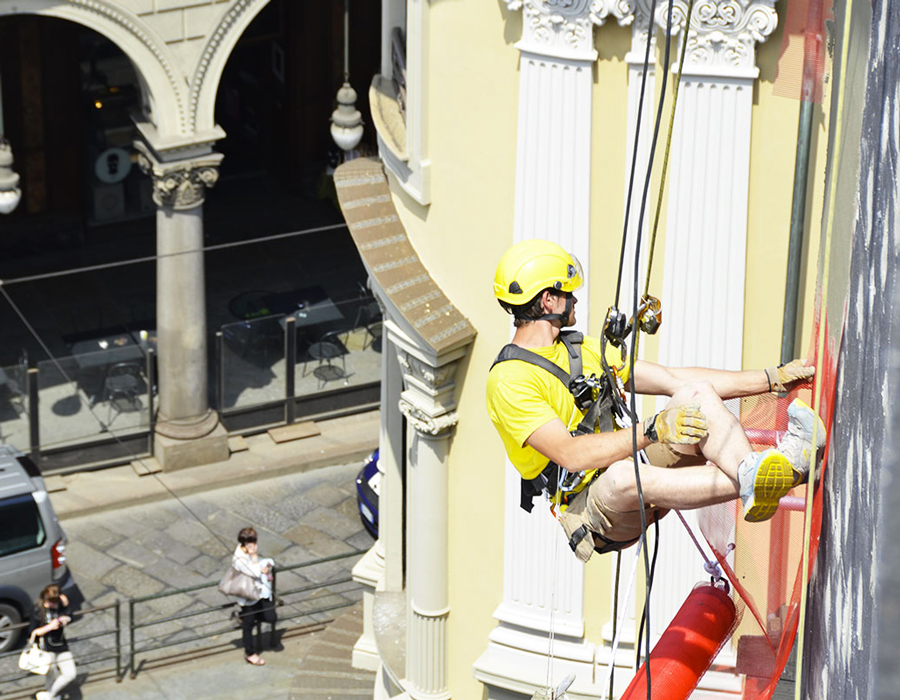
x=522, y=397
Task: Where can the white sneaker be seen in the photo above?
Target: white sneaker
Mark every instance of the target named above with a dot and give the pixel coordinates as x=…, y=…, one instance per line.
x=763, y=481
x=796, y=444
x=43, y=695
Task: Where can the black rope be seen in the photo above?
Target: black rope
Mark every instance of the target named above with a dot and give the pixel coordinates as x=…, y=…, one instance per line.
x=634, y=154
x=645, y=613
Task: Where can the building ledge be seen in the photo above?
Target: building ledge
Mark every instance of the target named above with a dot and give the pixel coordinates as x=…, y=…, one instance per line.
x=415, y=302
x=389, y=624
x=389, y=120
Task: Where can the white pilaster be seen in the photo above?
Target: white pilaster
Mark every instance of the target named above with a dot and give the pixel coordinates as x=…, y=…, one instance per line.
x=552, y=201
x=637, y=14
x=543, y=582
x=706, y=234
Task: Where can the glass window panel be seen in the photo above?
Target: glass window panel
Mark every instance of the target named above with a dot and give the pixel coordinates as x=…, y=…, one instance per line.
x=253, y=361
x=21, y=527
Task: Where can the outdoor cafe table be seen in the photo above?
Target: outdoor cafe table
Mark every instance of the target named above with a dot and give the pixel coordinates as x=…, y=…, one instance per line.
x=94, y=357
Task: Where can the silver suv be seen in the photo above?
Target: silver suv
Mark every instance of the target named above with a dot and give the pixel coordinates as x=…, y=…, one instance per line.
x=32, y=543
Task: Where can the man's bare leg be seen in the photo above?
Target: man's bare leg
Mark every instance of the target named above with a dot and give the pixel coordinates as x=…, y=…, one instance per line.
x=681, y=488
x=726, y=444
x=735, y=470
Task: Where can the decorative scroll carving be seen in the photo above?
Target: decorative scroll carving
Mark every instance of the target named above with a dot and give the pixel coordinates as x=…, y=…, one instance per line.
x=724, y=33
x=427, y=401
x=181, y=184
x=432, y=378
x=425, y=423
x=555, y=27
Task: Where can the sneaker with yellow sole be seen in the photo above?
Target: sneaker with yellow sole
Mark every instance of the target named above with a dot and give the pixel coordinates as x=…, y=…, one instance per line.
x=796, y=444
x=763, y=481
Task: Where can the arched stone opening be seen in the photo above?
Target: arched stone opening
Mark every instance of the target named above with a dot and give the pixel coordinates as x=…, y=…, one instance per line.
x=163, y=92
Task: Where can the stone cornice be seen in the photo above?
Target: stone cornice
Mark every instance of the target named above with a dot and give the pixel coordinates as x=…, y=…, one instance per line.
x=560, y=28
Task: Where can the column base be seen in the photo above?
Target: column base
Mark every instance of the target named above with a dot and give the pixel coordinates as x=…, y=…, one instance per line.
x=181, y=453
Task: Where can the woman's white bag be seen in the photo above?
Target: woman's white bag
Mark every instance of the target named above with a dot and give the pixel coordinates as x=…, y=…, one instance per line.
x=35, y=660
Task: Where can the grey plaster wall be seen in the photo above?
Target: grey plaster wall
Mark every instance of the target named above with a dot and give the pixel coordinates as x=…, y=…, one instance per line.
x=852, y=632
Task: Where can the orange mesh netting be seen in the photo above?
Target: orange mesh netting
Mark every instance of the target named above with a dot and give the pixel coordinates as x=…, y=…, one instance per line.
x=764, y=568
x=801, y=60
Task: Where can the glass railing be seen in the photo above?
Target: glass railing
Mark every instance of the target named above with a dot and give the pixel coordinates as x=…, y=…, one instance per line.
x=104, y=393
x=14, y=424
x=321, y=359
x=252, y=362
x=335, y=346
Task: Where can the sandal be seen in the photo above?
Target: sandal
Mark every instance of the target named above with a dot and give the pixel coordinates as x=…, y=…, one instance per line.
x=258, y=662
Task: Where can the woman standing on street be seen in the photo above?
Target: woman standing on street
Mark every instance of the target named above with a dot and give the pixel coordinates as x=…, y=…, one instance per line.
x=246, y=560
x=51, y=616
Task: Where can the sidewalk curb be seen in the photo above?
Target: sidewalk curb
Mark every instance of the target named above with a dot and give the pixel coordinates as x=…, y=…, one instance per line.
x=342, y=441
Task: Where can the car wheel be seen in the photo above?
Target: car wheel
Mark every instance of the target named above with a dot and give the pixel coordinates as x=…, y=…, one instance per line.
x=9, y=617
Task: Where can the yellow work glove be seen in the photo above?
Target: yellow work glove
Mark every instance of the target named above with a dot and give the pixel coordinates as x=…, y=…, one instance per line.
x=683, y=425
x=794, y=371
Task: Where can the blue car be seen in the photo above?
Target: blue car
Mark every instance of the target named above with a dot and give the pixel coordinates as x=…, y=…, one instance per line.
x=368, y=484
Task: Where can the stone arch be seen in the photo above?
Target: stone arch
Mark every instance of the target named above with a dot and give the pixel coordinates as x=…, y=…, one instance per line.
x=215, y=54
x=164, y=92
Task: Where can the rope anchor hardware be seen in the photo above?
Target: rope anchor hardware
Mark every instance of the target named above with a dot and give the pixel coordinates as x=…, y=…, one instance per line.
x=558, y=693
x=649, y=319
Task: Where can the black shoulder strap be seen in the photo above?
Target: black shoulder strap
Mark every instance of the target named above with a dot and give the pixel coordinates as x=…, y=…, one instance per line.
x=514, y=352
x=571, y=339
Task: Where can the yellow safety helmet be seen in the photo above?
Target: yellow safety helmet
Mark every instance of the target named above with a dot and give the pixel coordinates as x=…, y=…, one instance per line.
x=530, y=267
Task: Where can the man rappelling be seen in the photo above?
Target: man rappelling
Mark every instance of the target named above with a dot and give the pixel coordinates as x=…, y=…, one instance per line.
x=555, y=398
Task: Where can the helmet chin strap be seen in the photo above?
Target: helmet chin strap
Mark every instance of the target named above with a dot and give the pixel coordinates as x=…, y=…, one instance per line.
x=564, y=317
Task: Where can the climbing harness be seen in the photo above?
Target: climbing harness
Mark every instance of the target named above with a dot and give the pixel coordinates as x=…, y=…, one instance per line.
x=593, y=396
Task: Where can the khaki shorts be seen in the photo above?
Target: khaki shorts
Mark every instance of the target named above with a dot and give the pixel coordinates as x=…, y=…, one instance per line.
x=616, y=529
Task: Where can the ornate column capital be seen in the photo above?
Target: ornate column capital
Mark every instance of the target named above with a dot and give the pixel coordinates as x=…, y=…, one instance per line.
x=179, y=184
x=427, y=400
x=723, y=35
x=561, y=28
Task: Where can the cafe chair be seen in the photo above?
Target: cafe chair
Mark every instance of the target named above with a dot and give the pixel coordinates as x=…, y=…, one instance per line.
x=325, y=351
x=122, y=389
x=368, y=317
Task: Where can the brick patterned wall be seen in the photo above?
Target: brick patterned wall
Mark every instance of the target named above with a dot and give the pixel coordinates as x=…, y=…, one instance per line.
x=182, y=24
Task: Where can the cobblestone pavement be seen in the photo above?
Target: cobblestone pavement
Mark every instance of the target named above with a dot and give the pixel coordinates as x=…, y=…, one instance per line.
x=151, y=549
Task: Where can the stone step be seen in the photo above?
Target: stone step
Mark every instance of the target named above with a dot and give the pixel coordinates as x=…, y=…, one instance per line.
x=326, y=670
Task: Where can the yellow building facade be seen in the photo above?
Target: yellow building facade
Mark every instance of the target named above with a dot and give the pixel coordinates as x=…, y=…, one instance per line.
x=509, y=120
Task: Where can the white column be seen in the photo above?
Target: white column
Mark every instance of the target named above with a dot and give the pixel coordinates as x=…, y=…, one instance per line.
x=187, y=431
x=428, y=405
x=706, y=235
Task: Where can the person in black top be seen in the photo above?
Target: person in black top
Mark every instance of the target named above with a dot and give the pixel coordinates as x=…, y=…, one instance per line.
x=51, y=616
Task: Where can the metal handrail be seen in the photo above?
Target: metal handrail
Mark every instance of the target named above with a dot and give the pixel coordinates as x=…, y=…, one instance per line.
x=116, y=654
x=151, y=644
